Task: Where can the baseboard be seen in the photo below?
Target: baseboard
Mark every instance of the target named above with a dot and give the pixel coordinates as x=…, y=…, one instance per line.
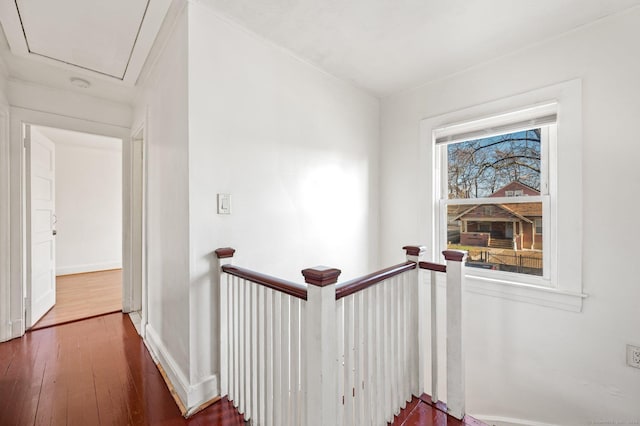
x=89, y=267
x=190, y=398
x=174, y=374
x=16, y=329
x=508, y=421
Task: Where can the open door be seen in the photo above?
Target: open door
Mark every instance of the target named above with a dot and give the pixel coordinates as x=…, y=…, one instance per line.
x=40, y=229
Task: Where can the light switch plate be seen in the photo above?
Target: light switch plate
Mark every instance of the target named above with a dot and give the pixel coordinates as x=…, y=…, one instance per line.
x=224, y=203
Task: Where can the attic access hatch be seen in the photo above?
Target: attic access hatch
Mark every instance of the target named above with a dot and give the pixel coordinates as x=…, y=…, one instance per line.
x=97, y=38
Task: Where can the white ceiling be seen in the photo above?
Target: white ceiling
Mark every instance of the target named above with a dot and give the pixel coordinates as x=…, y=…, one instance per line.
x=383, y=46
x=99, y=36
x=386, y=46
x=96, y=38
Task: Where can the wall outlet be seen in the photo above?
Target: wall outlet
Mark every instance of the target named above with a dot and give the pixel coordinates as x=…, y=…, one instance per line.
x=633, y=356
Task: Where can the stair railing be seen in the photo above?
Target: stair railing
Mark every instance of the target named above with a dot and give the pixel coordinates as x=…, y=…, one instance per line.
x=327, y=354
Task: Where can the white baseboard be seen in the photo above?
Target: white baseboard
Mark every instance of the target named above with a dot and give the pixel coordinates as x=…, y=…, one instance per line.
x=16, y=329
x=508, y=421
x=191, y=396
x=89, y=267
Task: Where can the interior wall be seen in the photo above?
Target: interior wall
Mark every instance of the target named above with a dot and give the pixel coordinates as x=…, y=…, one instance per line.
x=528, y=363
x=163, y=106
x=296, y=148
x=88, y=201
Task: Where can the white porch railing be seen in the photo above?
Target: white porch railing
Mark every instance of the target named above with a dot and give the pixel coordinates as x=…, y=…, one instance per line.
x=327, y=354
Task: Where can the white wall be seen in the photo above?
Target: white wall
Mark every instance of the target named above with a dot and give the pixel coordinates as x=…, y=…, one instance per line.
x=163, y=103
x=527, y=362
x=88, y=201
x=296, y=148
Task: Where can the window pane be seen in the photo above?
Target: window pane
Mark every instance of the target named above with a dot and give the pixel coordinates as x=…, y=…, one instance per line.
x=497, y=166
x=501, y=237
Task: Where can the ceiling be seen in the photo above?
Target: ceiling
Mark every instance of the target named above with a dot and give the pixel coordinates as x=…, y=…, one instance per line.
x=386, y=46
x=382, y=46
x=107, y=40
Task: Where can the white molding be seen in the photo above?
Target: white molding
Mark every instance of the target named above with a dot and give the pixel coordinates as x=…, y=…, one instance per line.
x=537, y=295
x=174, y=373
x=5, y=227
x=201, y=392
x=518, y=292
x=191, y=396
x=16, y=329
x=18, y=117
x=88, y=267
x=509, y=421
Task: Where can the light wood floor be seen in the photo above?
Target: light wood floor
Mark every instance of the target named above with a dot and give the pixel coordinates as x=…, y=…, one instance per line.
x=85, y=295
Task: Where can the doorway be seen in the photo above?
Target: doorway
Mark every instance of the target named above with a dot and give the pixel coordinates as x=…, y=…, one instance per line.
x=74, y=227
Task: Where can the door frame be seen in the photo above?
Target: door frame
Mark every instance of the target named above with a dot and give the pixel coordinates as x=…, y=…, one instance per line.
x=17, y=196
x=134, y=295
x=5, y=226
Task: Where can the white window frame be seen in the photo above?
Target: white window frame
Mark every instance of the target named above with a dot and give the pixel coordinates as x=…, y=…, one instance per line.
x=561, y=286
x=548, y=135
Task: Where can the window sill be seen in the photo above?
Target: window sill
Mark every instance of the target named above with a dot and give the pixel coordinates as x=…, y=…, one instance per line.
x=538, y=295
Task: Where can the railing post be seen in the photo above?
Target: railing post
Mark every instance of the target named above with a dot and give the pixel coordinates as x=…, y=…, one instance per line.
x=415, y=254
x=455, y=345
x=321, y=350
x=225, y=257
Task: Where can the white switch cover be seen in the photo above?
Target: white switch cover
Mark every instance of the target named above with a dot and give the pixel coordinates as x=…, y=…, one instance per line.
x=224, y=203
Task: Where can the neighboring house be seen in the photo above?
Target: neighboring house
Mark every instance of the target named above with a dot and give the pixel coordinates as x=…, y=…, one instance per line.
x=515, y=226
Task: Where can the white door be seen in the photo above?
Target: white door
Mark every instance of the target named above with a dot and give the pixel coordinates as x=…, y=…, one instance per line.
x=40, y=183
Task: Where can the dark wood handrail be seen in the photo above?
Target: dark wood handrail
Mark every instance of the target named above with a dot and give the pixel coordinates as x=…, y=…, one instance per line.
x=353, y=286
x=433, y=266
x=284, y=286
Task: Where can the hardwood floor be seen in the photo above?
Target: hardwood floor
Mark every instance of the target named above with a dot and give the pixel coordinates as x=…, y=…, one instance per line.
x=91, y=372
x=98, y=372
x=422, y=412
x=80, y=296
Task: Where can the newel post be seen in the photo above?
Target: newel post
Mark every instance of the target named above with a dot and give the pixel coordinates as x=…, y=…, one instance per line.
x=455, y=346
x=415, y=254
x=321, y=349
x=225, y=257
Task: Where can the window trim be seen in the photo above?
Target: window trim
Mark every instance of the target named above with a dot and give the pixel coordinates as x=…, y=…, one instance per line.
x=563, y=289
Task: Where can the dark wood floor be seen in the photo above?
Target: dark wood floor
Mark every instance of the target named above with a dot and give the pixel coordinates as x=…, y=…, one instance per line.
x=422, y=412
x=98, y=372
x=91, y=372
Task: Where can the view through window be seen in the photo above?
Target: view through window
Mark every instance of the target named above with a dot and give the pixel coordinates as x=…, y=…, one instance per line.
x=494, y=206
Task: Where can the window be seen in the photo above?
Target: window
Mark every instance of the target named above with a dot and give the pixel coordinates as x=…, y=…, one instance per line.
x=543, y=206
x=538, y=223
x=480, y=173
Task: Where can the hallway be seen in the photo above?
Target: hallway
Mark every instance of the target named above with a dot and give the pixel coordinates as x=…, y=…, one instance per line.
x=92, y=372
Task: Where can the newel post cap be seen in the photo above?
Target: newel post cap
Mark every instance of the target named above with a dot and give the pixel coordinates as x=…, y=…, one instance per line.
x=321, y=276
x=224, y=252
x=414, y=250
x=454, y=255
